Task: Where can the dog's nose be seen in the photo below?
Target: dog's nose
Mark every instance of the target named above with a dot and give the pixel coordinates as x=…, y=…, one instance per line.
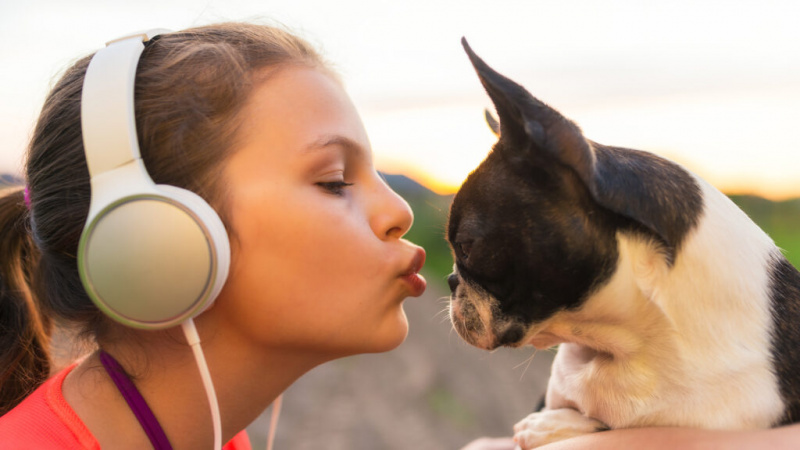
x=452, y=280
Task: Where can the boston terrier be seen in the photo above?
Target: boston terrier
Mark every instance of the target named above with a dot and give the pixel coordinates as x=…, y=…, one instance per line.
x=669, y=306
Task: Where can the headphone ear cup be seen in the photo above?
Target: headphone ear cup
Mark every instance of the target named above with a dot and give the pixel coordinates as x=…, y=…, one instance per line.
x=154, y=260
x=218, y=235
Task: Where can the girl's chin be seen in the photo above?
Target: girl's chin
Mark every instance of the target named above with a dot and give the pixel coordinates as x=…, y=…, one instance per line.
x=395, y=341
x=388, y=337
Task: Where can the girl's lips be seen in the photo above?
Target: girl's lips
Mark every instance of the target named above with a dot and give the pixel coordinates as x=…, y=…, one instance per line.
x=416, y=283
x=413, y=279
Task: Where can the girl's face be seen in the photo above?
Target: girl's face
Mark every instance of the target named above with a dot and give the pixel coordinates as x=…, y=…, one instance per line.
x=318, y=263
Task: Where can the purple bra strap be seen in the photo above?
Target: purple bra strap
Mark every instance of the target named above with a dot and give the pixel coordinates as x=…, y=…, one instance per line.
x=136, y=402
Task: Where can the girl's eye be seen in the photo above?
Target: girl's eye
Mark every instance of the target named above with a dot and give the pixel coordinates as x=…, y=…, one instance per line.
x=334, y=187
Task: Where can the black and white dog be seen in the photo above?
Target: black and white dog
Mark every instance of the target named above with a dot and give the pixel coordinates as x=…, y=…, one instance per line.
x=671, y=307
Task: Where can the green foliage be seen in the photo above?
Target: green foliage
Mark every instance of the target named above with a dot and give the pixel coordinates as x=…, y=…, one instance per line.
x=780, y=220
x=430, y=219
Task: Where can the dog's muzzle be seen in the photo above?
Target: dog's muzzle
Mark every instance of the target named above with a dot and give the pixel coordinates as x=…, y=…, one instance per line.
x=475, y=317
x=466, y=316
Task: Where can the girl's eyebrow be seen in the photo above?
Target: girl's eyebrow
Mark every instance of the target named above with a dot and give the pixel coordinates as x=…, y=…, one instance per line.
x=325, y=141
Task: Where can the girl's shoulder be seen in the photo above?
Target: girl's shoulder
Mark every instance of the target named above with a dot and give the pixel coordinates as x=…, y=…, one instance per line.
x=45, y=420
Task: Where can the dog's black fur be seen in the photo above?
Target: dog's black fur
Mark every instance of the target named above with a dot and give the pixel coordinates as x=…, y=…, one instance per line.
x=543, y=179
x=785, y=295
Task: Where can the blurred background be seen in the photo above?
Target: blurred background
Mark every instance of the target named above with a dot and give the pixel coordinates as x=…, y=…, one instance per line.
x=711, y=84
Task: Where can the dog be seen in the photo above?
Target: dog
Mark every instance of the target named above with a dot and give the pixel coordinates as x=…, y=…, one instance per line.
x=669, y=306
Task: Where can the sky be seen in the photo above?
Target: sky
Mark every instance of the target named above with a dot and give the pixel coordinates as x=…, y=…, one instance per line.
x=711, y=84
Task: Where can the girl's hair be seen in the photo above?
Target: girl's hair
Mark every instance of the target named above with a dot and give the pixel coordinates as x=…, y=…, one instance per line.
x=190, y=88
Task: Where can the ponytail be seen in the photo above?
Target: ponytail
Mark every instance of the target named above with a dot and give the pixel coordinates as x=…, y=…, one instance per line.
x=24, y=332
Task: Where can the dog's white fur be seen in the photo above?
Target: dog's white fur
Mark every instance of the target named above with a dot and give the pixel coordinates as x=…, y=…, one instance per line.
x=686, y=345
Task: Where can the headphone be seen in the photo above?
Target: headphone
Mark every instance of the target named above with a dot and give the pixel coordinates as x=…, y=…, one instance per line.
x=150, y=256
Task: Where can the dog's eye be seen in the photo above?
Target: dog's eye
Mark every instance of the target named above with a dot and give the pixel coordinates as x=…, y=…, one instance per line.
x=464, y=248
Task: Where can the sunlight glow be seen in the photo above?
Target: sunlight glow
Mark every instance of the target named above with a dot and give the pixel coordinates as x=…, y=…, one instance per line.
x=437, y=146
x=720, y=96
x=741, y=142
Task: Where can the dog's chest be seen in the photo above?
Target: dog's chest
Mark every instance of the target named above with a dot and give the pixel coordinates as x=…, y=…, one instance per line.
x=614, y=371
x=703, y=355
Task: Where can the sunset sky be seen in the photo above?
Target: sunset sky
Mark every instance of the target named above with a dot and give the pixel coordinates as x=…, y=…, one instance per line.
x=714, y=85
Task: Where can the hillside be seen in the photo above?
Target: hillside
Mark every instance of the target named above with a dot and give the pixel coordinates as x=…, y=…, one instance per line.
x=9, y=180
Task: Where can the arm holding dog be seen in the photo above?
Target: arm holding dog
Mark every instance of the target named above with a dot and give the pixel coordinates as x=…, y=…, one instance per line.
x=683, y=438
x=663, y=438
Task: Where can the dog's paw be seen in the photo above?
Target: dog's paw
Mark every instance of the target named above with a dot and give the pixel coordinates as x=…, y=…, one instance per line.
x=553, y=425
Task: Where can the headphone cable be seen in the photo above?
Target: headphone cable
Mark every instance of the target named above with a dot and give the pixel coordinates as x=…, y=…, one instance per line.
x=194, y=341
x=273, y=421
x=193, y=338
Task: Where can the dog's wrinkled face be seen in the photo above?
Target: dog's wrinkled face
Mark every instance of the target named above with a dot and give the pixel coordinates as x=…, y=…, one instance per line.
x=527, y=243
x=533, y=228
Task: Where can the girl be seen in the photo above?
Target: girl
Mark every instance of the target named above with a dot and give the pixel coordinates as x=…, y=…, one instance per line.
x=252, y=120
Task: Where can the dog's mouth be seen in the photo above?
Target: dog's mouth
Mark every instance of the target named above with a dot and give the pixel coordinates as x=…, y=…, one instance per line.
x=478, y=324
x=477, y=318
x=468, y=323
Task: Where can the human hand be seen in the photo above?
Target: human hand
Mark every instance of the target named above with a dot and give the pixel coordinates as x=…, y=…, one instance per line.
x=491, y=444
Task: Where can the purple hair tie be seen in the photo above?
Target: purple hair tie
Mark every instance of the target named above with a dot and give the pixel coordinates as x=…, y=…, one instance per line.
x=26, y=194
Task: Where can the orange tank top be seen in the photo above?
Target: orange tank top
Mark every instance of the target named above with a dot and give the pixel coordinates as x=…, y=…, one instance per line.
x=45, y=420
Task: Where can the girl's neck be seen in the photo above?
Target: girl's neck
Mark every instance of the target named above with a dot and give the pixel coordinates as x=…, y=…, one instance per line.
x=162, y=367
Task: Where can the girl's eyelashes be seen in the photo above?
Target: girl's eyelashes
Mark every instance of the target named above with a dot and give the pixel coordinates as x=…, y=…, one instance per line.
x=334, y=187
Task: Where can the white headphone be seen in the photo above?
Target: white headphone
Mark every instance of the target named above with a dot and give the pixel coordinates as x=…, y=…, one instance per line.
x=150, y=256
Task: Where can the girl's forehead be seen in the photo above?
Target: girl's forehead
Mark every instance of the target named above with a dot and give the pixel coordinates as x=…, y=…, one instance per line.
x=303, y=107
x=299, y=116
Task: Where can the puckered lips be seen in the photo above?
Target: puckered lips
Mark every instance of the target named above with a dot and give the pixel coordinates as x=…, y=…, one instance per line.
x=415, y=282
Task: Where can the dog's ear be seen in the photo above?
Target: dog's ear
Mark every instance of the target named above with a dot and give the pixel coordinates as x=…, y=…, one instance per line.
x=494, y=125
x=629, y=184
x=530, y=126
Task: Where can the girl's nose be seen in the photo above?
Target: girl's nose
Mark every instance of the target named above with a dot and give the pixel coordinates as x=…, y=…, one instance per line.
x=392, y=216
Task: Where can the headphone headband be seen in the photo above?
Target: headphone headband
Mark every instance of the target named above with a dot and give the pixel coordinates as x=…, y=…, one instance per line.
x=150, y=256
x=107, y=112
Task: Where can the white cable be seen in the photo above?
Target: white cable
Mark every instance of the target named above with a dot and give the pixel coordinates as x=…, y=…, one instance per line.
x=194, y=340
x=273, y=420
